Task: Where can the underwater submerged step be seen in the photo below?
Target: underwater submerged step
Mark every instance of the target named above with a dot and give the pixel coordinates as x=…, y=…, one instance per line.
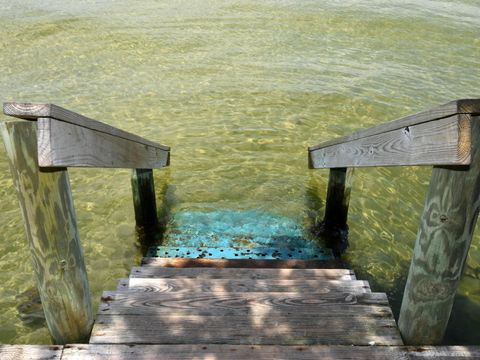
x=234, y=228
x=238, y=235
x=257, y=253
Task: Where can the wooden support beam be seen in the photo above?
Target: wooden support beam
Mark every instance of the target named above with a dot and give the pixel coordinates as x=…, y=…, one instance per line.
x=338, y=197
x=144, y=203
x=443, y=240
x=49, y=216
x=334, y=226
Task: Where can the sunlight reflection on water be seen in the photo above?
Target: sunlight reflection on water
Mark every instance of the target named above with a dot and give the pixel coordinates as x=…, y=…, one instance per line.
x=239, y=90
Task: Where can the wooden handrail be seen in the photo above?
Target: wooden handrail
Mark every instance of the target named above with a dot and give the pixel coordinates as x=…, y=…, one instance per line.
x=39, y=153
x=463, y=106
x=68, y=139
x=440, y=136
x=447, y=137
x=33, y=111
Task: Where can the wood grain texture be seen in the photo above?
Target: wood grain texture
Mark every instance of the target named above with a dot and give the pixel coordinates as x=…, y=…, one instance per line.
x=31, y=352
x=245, y=303
x=242, y=263
x=318, y=286
x=150, y=271
x=33, y=111
x=443, y=240
x=462, y=106
x=49, y=217
x=234, y=352
x=290, y=330
x=267, y=352
x=144, y=203
x=122, y=284
x=441, y=142
x=61, y=144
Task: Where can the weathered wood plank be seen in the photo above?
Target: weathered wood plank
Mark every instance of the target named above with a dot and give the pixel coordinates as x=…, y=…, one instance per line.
x=49, y=217
x=32, y=111
x=318, y=286
x=61, y=144
x=442, y=142
x=245, y=303
x=266, y=352
x=31, y=352
x=122, y=284
x=443, y=240
x=150, y=271
x=144, y=203
x=443, y=352
x=242, y=263
x=462, y=106
x=290, y=330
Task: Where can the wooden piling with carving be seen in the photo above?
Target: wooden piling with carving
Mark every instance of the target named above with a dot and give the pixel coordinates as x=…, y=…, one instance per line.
x=446, y=137
x=39, y=152
x=49, y=216
x=443, y=241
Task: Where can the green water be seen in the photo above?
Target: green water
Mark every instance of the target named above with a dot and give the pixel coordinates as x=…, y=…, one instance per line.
x=239, y=89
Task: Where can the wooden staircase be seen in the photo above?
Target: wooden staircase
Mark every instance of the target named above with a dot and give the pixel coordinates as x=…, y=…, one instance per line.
x=213, y=309
x=243, y=308
x=257, y=305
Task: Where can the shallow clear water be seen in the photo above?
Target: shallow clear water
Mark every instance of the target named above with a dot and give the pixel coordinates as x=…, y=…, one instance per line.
x=239, y=89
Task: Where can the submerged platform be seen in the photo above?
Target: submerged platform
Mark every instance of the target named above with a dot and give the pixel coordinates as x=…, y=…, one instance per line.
x=256, y=253
x=247, y=229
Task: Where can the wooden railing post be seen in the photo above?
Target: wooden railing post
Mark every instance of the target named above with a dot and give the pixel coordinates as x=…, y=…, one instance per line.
x=443, y=240
x=338, y=198
x=47, y=207
x=144, y=203
x=334, y=225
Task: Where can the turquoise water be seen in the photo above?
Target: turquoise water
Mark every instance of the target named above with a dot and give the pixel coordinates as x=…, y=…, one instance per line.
x=238, y=89
x=227, y=228
x=229, y=234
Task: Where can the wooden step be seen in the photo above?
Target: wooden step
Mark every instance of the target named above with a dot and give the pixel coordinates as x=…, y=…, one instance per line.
x=267, y=352
x=243, y=263
x=240, y=306
x=318, y=286
x=152, y=271
x=294, y=329
x=245, y=304
x=234, y=352
x=31, y=352
x=249, y=253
